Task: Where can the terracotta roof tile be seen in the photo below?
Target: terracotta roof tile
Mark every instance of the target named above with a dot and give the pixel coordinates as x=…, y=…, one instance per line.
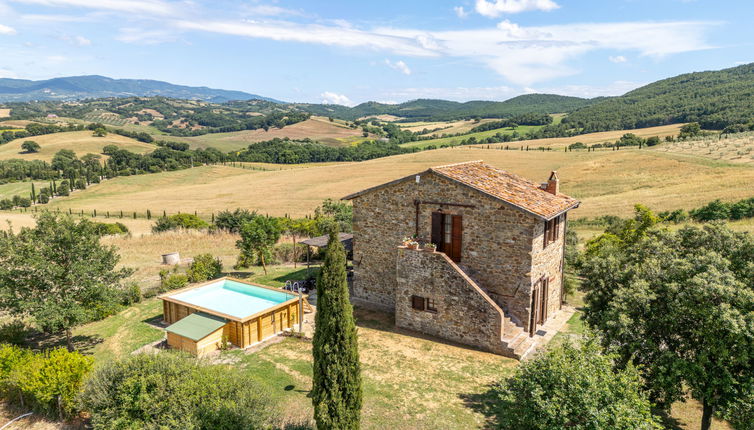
x=508, y=187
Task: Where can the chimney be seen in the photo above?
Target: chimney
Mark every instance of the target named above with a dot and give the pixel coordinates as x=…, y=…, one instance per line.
x=553, y=184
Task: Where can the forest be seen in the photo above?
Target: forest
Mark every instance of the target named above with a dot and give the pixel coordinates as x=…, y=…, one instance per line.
x=715, y=100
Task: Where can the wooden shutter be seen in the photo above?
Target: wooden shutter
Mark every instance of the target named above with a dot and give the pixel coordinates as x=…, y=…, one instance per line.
x=437, y=230
x=533, y=313
x=456, y=238
x=545, y=287
x=546, y=235
x=417, y=303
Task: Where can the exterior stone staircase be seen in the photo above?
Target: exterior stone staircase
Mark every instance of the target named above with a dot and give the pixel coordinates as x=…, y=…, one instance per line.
x=523, y=346
x=518, y=343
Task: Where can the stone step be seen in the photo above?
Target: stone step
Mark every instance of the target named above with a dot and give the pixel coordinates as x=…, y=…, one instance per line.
x=526, y=347
x=518, y=340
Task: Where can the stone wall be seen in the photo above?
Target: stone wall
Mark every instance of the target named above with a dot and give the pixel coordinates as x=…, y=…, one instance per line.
x=548, y=262
x=464, y=313
x=496, y=248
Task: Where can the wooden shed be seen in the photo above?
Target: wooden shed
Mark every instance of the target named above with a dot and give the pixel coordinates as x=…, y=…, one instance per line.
x=199, y=333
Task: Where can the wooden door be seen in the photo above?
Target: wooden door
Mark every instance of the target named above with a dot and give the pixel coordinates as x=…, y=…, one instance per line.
x=447, y=234
x=544, y=292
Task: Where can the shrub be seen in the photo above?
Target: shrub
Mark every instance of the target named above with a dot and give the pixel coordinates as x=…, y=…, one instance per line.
x=173, y=222
x=232, y=221
x=172, y=391
x=14, y=332
x=284, y=252
x=204, y=267
x=575, y=388
x=50, y=381
x=106, y=229
x=714, y=210
x=173, y=282
x=132, y=294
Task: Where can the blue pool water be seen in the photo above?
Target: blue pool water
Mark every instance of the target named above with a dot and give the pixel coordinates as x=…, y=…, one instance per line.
x=233, y=298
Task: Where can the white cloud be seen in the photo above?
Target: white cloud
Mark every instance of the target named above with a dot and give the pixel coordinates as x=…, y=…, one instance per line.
x=399, y=66
x=145, y=37
x=460, y=12
x=268, y=10
x=56, y=58
x=82, y=41
x=329, y=97
x=523, y=55
x=4, y=29
x=152, y=7
x=338, y=35
x=617, y=59
x=5, y=73
x=76, y=40
x=499, y=7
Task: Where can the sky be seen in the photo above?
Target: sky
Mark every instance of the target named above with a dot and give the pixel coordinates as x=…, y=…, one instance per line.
x=348, y=52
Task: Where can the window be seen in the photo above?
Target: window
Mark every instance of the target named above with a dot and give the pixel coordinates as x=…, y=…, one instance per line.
x=552, y=231
x=417, y=303
x=431, y=305
x=423, y=304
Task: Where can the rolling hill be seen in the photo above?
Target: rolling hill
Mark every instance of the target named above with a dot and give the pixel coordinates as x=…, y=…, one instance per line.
x=94, y=86
x=444, y=110
x=715, y=99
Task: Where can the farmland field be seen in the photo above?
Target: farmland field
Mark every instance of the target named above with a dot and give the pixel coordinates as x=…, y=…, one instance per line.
x=594, y=138
x=455, y=140
x=449, y=127
x=316, y=128
x=607, y=182
x=81, y=142
x=4, y=113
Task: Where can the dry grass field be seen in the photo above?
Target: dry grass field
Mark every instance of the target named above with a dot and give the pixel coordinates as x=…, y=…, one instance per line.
x=316, y=128
x=4, y=113
x=449, y=127
x=607, y=182
x=20, y=123
x=594, y=138
x=81, y=142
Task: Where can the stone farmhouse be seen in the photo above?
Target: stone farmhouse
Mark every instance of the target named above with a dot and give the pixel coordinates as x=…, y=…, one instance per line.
x=495, y=281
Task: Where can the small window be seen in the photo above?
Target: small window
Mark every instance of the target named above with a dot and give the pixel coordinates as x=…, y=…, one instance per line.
x=431, y=305
x=552, y=231
x=417, y=303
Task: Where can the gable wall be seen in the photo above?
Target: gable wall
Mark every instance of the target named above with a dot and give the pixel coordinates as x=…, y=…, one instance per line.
x=496, y=248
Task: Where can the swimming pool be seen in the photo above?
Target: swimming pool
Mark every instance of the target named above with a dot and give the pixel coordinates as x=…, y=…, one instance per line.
x=233, y=298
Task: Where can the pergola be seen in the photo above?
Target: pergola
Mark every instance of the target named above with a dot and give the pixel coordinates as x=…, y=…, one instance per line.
x=321, y=242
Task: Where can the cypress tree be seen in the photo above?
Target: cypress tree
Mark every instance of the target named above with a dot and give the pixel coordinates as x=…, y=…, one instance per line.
x=33, y=193
x=336, y=389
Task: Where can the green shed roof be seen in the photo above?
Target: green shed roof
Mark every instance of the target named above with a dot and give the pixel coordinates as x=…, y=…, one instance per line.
x=197, y=325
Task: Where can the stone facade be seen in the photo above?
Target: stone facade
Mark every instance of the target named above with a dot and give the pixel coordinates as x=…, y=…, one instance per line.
x=462, y=311
x=502, y=254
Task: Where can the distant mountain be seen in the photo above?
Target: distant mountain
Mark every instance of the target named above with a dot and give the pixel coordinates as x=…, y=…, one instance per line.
x=715, y=99
x=94, y=86
x=442, y=110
